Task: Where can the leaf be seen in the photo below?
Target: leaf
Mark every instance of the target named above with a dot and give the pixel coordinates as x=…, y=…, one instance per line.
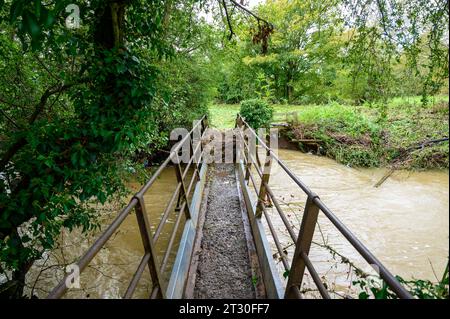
x=16, y=10
x=121, y=68
x=74, y=159
x=363, y=295
x=31, y=24
x=82, y=161
x=25, y=239
x=47, y=18
x=135, y=59
x=38, y=7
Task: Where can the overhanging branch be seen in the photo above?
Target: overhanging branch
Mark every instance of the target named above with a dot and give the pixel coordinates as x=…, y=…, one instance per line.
x=242, y=8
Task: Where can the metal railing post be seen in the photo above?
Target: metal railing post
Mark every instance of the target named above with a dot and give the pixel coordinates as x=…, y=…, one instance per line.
x=147, y=242
x=205, y=123
x=248, y=166
x=183, y=192
x=193, y=156
x=262, y=189
x=303, y=245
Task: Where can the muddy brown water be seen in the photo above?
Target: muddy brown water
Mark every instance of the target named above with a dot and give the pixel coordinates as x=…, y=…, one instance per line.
x=404, y=222
x=110, y=272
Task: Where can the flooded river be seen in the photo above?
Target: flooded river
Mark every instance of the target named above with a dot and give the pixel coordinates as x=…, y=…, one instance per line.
x=404, y=222
x=110, y=272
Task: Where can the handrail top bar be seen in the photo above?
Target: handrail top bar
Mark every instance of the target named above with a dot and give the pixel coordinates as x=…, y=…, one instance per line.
x=145, y=188
x=82, y=263
x=390, y=279
x=364, y=251
x=87, y=257
x=302, y=185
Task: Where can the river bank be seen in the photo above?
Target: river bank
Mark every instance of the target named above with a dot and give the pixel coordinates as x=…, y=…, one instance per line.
x=404, y=222
x=402, y=134
x=414, y=249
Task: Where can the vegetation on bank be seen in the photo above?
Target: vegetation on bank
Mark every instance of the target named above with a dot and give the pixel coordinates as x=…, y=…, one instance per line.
x=258, y=113
x=79, y=107
x=399, y=136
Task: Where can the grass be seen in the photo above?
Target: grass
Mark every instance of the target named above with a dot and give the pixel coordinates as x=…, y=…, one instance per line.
x=361, y=135
x=223, y=116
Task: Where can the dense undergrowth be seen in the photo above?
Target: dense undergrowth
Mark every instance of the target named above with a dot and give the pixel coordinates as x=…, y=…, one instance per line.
x=401, y=134
x=396, y=135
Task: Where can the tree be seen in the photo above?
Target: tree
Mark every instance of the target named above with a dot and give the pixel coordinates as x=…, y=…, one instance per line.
x=400, y=31
x=81, y=104
x=342, y=50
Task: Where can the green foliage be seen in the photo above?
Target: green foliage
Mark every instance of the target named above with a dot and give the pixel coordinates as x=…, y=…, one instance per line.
x=374, y=287
x=34, y=18
x=339, y=118
x=264, y=89
x=355, y=156
x=354, y=135
x=236, y=80
x=436, y=156
x=76, y=107
x=77, y=104
x=257, y=113
x=319, y=53
x=346, y=135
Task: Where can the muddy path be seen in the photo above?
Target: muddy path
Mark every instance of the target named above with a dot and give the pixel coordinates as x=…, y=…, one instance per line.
x=223, y=269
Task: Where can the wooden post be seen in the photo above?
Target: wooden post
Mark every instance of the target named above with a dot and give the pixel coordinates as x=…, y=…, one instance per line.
x=302, y=246
x=247, y=153
x=147, y=242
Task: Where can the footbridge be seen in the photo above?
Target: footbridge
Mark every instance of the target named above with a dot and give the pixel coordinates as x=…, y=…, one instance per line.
x=223, y=235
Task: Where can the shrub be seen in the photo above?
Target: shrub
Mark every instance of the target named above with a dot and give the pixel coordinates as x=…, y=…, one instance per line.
x=258, y=113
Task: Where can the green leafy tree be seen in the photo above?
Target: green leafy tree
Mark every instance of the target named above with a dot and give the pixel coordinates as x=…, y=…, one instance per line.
x=258, y=113
x=76, y=104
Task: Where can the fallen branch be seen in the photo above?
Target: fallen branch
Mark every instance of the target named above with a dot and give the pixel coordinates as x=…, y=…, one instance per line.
x=427, y=143
x=384, y=178
x=306, y=141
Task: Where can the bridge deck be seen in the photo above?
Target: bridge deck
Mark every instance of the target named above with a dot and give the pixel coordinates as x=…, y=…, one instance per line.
x=222, y=265
x=224, y=250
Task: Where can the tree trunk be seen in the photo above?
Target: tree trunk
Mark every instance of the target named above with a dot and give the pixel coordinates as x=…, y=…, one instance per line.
x=108, y=34
x=289, y=78
x=109, y=31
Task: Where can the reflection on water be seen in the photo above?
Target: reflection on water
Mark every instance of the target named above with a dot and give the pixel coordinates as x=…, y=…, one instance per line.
x=404, y=222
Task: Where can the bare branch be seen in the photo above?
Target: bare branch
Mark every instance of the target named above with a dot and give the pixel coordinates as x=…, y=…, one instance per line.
x=9, y=118
x=230, y=26
x=239, y=6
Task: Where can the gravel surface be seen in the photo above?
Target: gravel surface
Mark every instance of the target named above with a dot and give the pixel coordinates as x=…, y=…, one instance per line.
x=224, y=269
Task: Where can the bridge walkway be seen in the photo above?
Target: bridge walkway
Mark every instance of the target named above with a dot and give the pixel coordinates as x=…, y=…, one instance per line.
x=221, y=266
x=225, y=247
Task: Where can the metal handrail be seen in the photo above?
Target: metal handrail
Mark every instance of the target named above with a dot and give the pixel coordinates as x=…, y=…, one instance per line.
x=137, y=203
x=303, y=241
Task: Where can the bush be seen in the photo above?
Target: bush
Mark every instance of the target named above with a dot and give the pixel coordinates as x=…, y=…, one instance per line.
x=258, y=113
